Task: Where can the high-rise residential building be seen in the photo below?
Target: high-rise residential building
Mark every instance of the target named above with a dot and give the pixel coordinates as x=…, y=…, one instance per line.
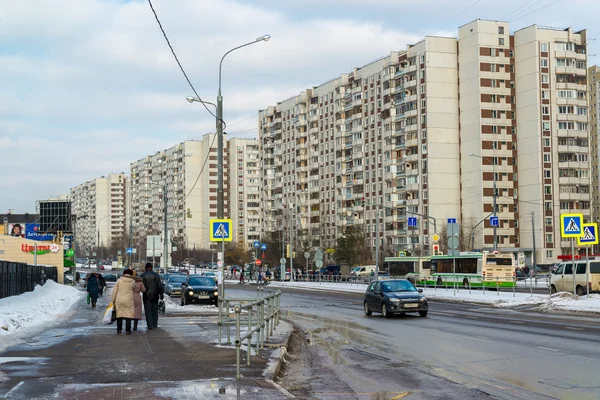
x=190, y=186
x=99, y=207
x=429, y=132
x=244, y=186
x=593, y=79
x=552, y=135
x=371, y=147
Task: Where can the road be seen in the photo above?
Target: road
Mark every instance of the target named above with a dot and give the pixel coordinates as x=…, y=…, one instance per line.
x=460, y=351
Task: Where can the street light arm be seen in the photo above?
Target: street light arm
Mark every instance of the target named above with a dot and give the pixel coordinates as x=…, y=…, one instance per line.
x=260, y=39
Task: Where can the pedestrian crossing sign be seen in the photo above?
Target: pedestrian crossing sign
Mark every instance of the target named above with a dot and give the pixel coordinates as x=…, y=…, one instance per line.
x=589, y=235
x=571, y=225
x=220, y=230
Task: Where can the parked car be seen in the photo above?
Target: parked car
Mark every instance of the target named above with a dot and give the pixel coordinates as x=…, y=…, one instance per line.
x=394, y=296
x=199, y=289
x=173, y=284
x=210, y=274
x=110, y=277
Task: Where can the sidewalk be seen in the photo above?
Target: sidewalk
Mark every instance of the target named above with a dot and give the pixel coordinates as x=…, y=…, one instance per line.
x=84, y=359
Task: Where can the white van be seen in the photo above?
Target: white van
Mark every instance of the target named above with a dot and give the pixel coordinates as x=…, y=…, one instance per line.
x=561, y=280
x=363, y=270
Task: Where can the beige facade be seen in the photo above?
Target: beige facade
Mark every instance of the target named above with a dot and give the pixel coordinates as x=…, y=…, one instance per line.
x=191, y=192
x=244, y=186
x=552, y=135
x=381, y=144
x=100, y=209
x=22, y=250
x=593, y=80
x=374, y=146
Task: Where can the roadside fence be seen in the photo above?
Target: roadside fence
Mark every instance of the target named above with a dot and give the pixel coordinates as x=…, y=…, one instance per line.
x=18, y=278
x=254, y=318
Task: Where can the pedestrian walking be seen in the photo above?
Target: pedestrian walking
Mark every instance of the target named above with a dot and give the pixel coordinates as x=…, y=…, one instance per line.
x=122, y=299
x=137, y=300
x=93, y=288
x=101, y=283
x=242, y=272
x=154, y=292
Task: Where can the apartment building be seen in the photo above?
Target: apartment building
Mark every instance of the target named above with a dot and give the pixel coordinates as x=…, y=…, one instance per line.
x=371, y=147
x=593, y=79
x=244, y=184
x=100, y=209
x=552, y=135
x=190, y=187
x=382, y=143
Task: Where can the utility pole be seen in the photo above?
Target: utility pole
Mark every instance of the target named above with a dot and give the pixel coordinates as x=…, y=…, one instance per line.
x=130, y=236
x=495, y=206
x=377, y=241
x=291, y=247
x=533, y=236
x=99, y=248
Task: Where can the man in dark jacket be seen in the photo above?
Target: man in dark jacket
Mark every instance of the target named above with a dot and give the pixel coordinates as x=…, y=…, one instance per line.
x=101, y=284
x=154, y=291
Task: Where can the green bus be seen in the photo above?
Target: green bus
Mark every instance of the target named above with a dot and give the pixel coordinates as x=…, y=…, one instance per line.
x=472, y=269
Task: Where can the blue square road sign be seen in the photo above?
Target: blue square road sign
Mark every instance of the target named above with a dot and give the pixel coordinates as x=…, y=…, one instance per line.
x=412, y=221
x=494, y=221
x=571, y=225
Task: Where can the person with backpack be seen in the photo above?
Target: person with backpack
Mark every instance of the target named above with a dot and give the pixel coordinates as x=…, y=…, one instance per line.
x=154, y=291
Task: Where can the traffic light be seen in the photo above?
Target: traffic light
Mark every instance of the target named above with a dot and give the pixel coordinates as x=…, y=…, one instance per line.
x=293, y=254
x=363, y=201
x=189, y=213
x=287, y=251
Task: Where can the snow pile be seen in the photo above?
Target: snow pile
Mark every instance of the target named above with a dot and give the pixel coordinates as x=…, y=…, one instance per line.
x=31, y=311
x=173, y=305
x=569, y=302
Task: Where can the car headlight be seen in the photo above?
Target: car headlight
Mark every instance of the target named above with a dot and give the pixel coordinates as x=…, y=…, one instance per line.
x=395, y=300
x=191, y=292
x=216, y=293
x=423, y=298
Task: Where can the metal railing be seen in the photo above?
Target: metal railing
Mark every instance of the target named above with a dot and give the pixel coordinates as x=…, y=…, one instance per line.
x=260, y=317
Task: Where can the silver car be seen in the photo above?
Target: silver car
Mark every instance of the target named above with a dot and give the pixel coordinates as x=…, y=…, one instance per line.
x=173, y=284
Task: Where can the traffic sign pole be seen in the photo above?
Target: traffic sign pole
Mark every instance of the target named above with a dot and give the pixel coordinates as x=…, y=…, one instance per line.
x=573, y=265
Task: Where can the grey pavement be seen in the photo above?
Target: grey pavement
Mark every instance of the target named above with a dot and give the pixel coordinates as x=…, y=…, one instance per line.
x=83, y=359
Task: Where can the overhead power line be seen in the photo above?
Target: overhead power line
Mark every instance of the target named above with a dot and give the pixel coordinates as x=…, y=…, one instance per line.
x=536, y=10
x=179, y=63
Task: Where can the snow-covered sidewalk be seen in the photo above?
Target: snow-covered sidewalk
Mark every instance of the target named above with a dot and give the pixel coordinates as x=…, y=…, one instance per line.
x=23, y=315
x=502, y=299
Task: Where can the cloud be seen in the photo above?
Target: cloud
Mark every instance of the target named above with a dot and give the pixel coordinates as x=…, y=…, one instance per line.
x=89, y=86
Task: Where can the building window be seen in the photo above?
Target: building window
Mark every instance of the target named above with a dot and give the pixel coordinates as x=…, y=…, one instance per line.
x=548, y=206
x=545, y=94
x=546, y=142
x=545, y=78
x=549, y=254
x=545, y=110
x=500, y=30
x=546, y=126
x=544, y=62
x=547, y=174
x=544, y=46
x=548, y=238
x=548, y=189
x=548, y=221
x=501, y=41
x=546, y=157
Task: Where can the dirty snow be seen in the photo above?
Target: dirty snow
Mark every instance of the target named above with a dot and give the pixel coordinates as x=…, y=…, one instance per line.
x=502, y=299
x=173, y=305
x=23, y=315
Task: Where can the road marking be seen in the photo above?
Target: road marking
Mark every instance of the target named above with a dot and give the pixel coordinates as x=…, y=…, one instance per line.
x=545, y=348
x=574, y=329
x=496, y=386
x=400, y=396
x=469, y=316
x=517, y=322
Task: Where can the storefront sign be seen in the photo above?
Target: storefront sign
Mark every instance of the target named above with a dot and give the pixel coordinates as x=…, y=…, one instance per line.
x=32, y=232
x=41, y=249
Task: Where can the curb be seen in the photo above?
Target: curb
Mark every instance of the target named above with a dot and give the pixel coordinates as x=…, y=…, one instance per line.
x=274, y=370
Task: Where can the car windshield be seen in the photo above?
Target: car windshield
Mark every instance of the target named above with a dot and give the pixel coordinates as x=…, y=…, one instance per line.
x=201, y=282
x=397, y=286
x=176, y=279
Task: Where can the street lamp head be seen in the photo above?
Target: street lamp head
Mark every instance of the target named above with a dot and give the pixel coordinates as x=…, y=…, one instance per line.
x=264, y=38
x=190, y=99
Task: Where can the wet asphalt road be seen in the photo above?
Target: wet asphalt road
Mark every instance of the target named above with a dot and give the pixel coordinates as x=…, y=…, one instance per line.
x=460, y=351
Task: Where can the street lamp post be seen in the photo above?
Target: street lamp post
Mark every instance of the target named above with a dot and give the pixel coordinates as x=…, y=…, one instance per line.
x=219, y=126
x=495, y=194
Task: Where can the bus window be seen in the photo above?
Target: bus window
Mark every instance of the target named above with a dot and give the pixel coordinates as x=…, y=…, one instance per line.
x=400, y=268
x=426, y=264
x=499, y=260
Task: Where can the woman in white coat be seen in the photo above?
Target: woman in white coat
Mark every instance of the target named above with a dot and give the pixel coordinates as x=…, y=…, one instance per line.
x=122, y=298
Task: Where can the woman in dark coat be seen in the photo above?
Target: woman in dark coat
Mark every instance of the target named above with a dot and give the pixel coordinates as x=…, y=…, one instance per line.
x=93, y=288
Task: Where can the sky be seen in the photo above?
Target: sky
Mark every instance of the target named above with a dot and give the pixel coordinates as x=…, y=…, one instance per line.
x=89, y=86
